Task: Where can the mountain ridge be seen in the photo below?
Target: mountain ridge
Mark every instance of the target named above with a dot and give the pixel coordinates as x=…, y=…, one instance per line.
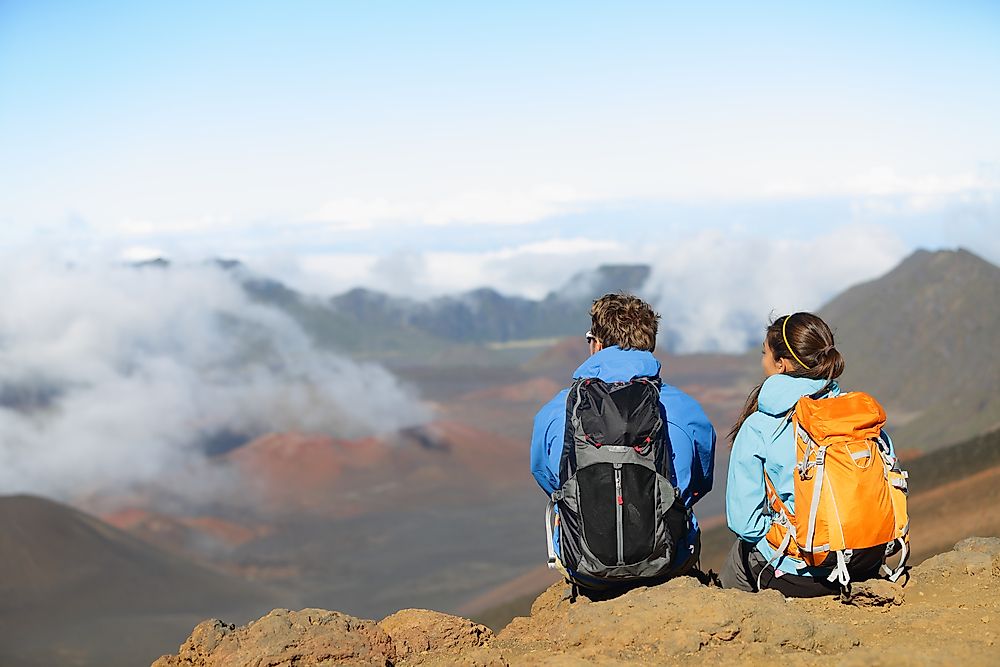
x=921, y=340
x=370, y=322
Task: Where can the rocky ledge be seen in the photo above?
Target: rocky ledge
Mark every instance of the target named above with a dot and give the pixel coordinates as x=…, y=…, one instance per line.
x=948, y=613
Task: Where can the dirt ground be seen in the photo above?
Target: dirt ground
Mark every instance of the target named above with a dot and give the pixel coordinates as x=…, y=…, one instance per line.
x=947, y=613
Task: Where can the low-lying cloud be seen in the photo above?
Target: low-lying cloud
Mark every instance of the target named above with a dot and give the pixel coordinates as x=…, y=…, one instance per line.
x=716, y=292
x=117, y=377
x=715, y=289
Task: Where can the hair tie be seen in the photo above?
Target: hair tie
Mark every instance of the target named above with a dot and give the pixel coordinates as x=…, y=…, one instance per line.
x=785, y=336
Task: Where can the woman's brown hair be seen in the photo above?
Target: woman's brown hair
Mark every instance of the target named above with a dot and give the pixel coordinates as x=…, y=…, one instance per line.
x=810, y=350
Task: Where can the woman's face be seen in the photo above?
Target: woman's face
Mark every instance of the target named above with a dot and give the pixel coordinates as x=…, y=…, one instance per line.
x=768, y=362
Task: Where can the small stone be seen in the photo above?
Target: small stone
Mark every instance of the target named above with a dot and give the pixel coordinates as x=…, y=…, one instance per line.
x=876, y=593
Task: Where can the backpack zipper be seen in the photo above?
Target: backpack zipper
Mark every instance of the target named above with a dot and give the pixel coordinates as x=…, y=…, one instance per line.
x=618, y=513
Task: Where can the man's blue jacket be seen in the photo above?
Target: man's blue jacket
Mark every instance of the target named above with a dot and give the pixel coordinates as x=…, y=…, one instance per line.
x=690, y=436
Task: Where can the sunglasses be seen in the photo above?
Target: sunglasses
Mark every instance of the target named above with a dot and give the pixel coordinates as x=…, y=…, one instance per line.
x=590, y=337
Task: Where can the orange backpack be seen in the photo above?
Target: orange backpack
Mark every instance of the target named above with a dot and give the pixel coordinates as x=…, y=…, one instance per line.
x=849, y=490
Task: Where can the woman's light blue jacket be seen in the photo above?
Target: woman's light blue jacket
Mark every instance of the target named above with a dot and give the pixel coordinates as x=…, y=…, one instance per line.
x=765, y=442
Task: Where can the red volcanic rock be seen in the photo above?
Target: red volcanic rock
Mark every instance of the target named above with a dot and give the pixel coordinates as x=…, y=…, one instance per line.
x=181, y=533
x=483, y=455
x=232, y=534
x=320, y=475
x=127, y=518
x=159, y=529
x=305, y=458
x=299, y=470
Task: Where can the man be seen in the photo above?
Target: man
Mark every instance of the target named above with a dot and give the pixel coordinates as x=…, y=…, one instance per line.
x=622, y=339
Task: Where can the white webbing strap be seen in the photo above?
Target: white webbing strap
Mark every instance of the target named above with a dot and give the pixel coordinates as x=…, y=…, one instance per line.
x=810, y=444
x=549, y=518
x=574, y=418
x=777, y=554
x=904, y=552
x=840, y=573
x=814, y=505
x=883, y=445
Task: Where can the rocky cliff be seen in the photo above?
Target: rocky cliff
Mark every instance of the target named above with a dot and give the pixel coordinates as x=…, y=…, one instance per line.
x=948, y=613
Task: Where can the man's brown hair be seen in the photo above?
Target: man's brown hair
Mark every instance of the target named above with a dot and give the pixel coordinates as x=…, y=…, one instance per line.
x=624, y=320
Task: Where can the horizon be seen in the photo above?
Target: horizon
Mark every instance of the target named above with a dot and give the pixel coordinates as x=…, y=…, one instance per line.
x=435, y=148
x=154, y=259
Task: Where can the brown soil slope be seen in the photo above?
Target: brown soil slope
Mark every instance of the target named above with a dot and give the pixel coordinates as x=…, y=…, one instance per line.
x=949, y=613
x=77, y=591
x=54, y=557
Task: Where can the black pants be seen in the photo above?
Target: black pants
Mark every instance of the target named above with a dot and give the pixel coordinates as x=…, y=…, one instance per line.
x=609, y=590
x=745, y=564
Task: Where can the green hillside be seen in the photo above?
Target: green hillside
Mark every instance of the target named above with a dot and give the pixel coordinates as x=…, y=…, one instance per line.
x=446, y=329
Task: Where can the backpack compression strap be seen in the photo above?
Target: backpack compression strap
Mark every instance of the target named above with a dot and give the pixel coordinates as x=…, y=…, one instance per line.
x=904, y=553
x=782, y=517
x=549, y=518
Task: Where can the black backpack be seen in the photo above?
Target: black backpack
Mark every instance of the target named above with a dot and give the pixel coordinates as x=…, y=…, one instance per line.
x=620, y=516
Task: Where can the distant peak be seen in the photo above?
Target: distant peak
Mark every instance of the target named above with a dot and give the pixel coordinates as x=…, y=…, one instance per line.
x=227, y=264
x=154, y=263
x=956, y=256
x=604, y=279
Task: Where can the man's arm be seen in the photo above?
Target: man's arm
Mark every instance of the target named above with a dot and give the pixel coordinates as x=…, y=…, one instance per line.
x=692, y=441
x=546, y=442
x=703, y=470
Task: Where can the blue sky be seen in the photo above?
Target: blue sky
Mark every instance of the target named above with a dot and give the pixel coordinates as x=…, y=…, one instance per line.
x=426, y=147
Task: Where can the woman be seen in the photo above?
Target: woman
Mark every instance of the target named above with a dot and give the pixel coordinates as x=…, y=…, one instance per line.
x=799, y=359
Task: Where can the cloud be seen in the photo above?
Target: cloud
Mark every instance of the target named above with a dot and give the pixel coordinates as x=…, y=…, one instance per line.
x=531, y=269
x=882, y=181
x=716, y=291
x=116, y=377
x=467, y=208
x=140, y=253
x=714, y=288
x=883, y=184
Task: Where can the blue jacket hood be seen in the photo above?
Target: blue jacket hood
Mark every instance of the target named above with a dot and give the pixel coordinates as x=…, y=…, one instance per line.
x=613, y=364
x=780, y=392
